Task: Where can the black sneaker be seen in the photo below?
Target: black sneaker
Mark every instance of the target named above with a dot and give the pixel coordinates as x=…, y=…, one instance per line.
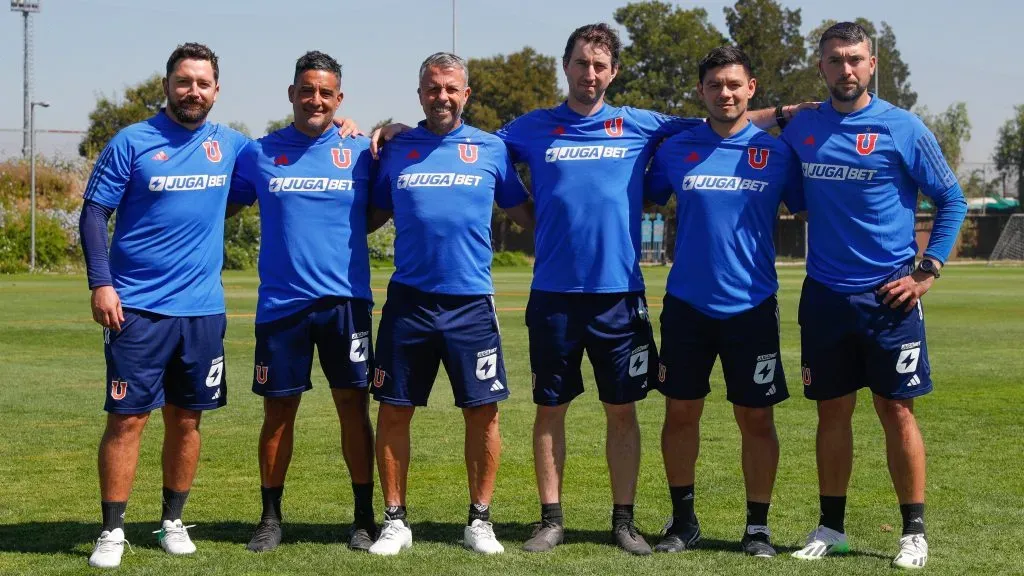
x=757, y=542
x=545, y=537
x=362, y=536
x=679, y=538
x=266, y=537
x=629, y=539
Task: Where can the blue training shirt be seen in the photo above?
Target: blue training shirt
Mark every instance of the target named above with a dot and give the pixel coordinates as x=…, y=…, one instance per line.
x=442, y=189
x=587, y=175
x=169, y=187
x=862, y=172
x=728, y=192
x=313, y=195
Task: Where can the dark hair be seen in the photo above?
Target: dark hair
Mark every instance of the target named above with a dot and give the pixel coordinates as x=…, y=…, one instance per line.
x=193, y=51
x=723, y=56
x=315, y=60
x=601, y=34
x=847, y=32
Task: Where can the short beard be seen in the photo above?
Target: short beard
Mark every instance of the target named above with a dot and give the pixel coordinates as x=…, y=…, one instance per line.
x=847, y=97
x=582, y=97
x=189, y=115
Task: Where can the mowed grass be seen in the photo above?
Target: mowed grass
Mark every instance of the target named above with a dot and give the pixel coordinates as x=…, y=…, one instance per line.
x=51, y=399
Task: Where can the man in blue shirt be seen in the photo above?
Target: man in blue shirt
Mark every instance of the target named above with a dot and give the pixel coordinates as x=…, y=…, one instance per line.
x=729, y=178
x=159, y=295
x=861, y=319
x=441, y=180
x=313, y=187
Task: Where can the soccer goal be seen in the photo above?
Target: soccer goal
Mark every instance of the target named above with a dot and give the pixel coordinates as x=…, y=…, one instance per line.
x=1011, y=242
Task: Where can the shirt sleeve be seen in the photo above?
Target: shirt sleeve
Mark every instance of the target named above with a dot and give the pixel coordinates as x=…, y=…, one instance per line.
x=923, y=159
x=92, y=228
x=515, y=146
x=509, y=190
x=657, y=182
x=243, y=191
x=380, y=196
x=658, y=126
x=111, y=173
x=793, y=186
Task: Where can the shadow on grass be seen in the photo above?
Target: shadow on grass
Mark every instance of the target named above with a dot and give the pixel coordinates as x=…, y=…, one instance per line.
x=65, y=537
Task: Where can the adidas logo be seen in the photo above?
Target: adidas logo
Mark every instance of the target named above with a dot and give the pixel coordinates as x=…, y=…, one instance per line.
x=497, y=386
x=914, y=381
x=160, y=156
x=771, y=390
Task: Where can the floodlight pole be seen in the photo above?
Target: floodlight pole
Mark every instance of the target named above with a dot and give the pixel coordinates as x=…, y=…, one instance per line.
x=454, y=46
x=26, y=7
x=32, y=177
x=878, y=65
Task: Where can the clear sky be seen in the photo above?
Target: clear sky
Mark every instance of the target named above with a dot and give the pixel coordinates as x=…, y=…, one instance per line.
x=84, y=48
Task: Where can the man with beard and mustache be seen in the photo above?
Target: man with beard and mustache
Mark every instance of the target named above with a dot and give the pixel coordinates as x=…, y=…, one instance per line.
x=441, y=180
x=313, y=188
x=861, y=320
x=729, y=178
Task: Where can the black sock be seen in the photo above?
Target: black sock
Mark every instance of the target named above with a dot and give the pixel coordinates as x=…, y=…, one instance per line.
x=363, y=506
x=113, y=515
x=271, y=503
x=551, y=513
x=173, y=504
x=395, y=513
x=757, y=513
x=621, y=514
x=479, y=512
x=682, y=504
x=833, y=512
x=913, y=518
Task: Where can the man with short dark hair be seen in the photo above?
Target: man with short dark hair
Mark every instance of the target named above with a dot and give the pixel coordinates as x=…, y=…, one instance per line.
x=861, y=320
x=158, y=294
x=313, y=187
x=729, y=178
x=441, y=180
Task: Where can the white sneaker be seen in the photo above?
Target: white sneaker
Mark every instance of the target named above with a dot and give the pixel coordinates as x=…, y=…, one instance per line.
x=173, y=538
x=821, y=542
x=479, y=537
x=913, y=552
x=394, y=537
x=108, y=550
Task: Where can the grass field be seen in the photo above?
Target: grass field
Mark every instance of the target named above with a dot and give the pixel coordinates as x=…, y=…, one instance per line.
x=51, y=399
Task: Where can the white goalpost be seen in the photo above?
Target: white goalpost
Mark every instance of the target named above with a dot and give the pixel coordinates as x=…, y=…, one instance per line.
x=1010, y=246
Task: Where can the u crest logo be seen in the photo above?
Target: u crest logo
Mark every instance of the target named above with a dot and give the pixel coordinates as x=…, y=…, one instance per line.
x=613, y=127
x=342, y=157
x=118, y=389
x=469, y=153
x=866, y=143
x=378, y=377
x=261, y=373
x=757, y=157
x=212, y=150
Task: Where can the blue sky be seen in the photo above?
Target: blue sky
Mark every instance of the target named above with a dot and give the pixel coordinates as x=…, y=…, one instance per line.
x=84, y=48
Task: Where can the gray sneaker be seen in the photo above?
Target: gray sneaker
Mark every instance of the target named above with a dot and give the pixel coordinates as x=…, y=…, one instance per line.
x=361, y=536
x=679, y=538
x=629, y=539
x=545, y=537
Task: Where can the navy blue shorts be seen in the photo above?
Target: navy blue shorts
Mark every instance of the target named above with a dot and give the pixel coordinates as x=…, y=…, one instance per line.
x=849, y=341
x=340, y=329
x=748, y=344
x=156, y=359
x=419, y=330
x=614, y=330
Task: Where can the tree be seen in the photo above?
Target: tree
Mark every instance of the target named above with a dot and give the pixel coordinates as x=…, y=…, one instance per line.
x=659, y=67
x=893, y=72
x=241, y=127
x=952, y=129
x=275, y=125
x=770, y=36
x=381, y=124
x=111, y=115
x=508, y=86
x=1009, y=154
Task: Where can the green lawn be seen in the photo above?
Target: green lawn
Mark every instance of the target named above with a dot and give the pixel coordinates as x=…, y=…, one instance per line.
x=51, y=399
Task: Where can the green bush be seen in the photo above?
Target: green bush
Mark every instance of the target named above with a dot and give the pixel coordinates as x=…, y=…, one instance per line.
x=242, y=240
x=510, y=259
x=53, y=247
x=382, y=243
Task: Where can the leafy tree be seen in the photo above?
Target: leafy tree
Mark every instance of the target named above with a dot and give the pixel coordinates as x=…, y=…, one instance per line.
x=241, y=127
x=275, y=125
x=508, y=86
x=111, y=115
x=380, y=124
x=659, y=66
x=952, y=129
x=893, y=72
x=1009, y=154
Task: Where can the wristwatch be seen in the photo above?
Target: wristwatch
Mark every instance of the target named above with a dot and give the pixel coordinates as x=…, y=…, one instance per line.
x=780, y=117
x=928, y=267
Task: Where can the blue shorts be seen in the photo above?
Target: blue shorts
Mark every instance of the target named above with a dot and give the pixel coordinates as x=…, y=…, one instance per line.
x=748, y=344
x=615, y=331
x=849, y=341
x=340, y=329
x=156, y=359
x=419, y=330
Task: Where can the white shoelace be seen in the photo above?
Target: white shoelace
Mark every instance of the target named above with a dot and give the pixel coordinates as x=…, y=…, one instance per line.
x=175, y=534
x=391, y=530
x=105, y=546
x=483, y=529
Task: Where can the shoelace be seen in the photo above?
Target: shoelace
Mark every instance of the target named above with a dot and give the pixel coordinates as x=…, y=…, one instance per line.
x=914, y=546
x=175, y=533
x=105, y=546
x=264, y=529
x=390, y=530
x=540, y=525
x=483, y=529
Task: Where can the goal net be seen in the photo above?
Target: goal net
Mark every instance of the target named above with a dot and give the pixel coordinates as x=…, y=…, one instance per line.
x=1011, y=242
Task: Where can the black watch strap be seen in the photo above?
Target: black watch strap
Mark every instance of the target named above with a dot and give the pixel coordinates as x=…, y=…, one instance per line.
x=780, y=117
x=928, y=267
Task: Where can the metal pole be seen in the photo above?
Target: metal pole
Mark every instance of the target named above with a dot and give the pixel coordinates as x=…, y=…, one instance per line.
x=454, y=46
x=878, y=65
x=26, y=89
x=32, y=185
